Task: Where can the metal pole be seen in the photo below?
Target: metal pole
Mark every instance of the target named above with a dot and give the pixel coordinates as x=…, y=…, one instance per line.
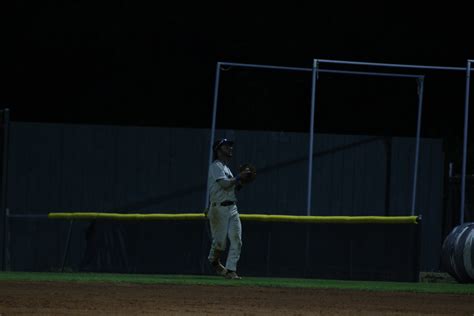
x=3, y=206
x=388, y=173
x=464, y=152
x=311, y=135
x=420, y=83
x=265, y=67
x=213, y=127
x=6, y=245
x=68, y=242
x=343, y=72
x=366, y=73
x=345, y=62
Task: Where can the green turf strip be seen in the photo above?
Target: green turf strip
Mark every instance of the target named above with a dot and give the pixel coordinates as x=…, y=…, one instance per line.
x=422, y=287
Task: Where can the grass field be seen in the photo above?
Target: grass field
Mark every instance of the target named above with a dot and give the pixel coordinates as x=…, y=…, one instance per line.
x=421, y=287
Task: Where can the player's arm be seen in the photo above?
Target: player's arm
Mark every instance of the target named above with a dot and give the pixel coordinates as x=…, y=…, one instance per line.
x=228, y=183
x=220, y=177
x=236, y=181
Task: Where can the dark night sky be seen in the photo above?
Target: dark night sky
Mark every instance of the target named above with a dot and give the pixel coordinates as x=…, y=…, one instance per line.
x=109, y=63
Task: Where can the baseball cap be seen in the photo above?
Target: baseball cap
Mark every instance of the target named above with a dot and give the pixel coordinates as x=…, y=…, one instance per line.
x=218, y=143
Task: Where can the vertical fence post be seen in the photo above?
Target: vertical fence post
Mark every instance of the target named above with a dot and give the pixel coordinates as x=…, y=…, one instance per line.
x=68, y=242
x=420, y=83
x=4, y=182
x=464, y=153
x=310, y=165
x=7, y=258
x=311, y=135
x=213, y=126
x=211, y=142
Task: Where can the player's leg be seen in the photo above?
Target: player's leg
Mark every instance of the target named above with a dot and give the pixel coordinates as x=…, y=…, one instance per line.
x=235, y=238
x=218, y=220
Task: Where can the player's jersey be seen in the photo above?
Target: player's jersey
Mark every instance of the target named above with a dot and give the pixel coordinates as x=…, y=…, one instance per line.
x=219, y=170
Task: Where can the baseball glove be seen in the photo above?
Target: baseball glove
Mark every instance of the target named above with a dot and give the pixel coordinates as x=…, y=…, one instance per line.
x=247, y=173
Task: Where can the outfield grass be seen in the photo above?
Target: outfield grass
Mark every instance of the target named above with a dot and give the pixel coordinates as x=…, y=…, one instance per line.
x=422, y=287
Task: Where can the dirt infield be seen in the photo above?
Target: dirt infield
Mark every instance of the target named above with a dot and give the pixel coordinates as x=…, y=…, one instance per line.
x=75, y=298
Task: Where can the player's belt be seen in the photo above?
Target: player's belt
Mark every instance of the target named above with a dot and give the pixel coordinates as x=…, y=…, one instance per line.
x=227, y=203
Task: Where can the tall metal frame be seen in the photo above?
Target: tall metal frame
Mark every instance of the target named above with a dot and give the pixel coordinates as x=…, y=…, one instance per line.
x=467, y=69
x=315, y=71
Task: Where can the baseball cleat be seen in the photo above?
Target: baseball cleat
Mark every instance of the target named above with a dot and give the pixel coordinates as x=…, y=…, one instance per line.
x=219, y=268
x=232, y=275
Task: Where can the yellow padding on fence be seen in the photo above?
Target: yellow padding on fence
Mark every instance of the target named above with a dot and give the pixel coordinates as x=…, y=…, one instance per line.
x=244, y=217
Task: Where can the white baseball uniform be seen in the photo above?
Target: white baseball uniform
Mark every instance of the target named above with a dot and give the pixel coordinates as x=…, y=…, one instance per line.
x=224, y=219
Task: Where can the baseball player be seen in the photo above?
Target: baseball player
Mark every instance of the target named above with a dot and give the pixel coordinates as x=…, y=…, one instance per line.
x=222, y=211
